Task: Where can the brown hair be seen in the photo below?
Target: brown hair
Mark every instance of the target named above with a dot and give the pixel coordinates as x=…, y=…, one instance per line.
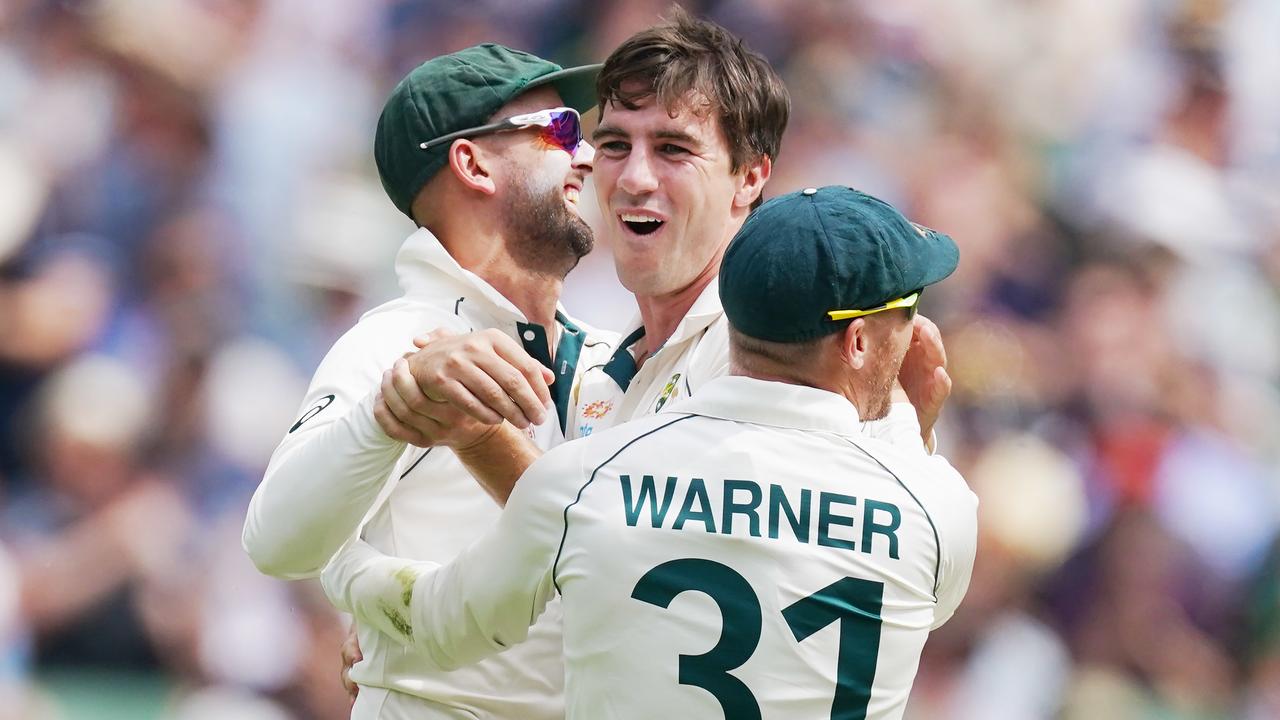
x=686, y=55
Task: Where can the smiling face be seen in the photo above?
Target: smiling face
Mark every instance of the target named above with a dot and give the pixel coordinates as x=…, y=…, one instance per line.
x=539, y=185
x=526, y=155
x=668, y=193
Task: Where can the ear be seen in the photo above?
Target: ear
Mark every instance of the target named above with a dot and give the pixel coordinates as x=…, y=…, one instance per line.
x=471, y=166
x=754, y=176
x=853, y=344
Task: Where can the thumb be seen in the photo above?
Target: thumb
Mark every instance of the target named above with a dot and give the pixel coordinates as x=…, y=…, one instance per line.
x=548, y=376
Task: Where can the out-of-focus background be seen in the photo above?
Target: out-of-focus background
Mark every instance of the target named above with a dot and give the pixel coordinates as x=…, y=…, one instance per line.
x=189, y=216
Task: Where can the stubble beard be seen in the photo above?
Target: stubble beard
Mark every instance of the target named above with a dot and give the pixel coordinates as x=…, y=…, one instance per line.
x=545, y=235
x=880, y=395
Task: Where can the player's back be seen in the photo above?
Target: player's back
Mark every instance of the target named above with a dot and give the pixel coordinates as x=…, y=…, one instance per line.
x=725, y=567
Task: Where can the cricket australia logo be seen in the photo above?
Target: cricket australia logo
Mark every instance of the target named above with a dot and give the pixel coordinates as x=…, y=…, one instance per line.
x=668, y=392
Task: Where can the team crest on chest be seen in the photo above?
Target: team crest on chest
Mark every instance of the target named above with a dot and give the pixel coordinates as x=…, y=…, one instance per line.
x=668, y=392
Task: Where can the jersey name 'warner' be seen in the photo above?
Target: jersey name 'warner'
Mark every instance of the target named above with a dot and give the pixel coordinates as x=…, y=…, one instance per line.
x=775, y=511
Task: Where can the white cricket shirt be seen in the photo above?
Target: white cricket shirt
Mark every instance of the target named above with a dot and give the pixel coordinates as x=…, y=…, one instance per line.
x=748, y=554
x=336, y=469
x=613, y=391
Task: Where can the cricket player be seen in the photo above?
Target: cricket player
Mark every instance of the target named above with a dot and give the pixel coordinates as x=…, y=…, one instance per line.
x=690, y=123
x=483, y=149
x=751, y=553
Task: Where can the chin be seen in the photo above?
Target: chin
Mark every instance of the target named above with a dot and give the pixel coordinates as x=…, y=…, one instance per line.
x=880, y=413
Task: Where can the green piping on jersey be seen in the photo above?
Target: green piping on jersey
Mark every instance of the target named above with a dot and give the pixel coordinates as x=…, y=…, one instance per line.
x=566, y=362
x=937, y=563
x=555, y=566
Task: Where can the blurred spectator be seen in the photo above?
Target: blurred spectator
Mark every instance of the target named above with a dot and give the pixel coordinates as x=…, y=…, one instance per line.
x=190, y=214
x=99, y=532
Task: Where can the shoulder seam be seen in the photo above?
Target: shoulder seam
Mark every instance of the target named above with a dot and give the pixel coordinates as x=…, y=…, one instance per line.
x=937, y=542
x=555, y=565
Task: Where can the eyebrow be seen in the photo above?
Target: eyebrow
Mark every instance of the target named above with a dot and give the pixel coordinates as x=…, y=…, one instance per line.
x=606, y=130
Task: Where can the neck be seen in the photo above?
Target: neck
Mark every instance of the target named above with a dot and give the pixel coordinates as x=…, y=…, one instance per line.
x=662, y=313
x=831, y=382
x=534, y=294
x=483, y=251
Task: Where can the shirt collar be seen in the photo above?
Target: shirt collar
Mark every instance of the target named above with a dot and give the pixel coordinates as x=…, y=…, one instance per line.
x=764, y=402
x=704, y=311
x=425, y=269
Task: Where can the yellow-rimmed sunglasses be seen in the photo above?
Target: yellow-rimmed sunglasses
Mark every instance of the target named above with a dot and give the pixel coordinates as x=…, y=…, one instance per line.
x=910, y=302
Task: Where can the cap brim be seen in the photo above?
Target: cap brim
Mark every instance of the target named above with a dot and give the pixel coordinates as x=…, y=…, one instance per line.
x=576, y=85
x=940, y=258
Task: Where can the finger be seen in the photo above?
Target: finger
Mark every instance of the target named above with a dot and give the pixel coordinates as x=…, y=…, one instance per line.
x=349, y=685
x=397, y=430
x=930, y=340
x=941, y=385
x=522, y=384
x=515, y=355
x=411, y=392
x=467, y=373
x=394, y=402
x=529, y=388
x=351, y=655
x=474, y=390
x=351, y=648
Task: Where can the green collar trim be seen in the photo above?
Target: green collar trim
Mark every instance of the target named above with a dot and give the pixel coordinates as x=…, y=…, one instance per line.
x=622, y=364
x=565, y=366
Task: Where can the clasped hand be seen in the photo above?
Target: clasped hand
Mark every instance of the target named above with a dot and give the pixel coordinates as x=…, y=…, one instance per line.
x=457, y=390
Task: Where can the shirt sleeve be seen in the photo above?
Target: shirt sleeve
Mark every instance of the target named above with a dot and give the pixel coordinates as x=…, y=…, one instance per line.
x=331, y=466
x=485, y=600
x=957, y=522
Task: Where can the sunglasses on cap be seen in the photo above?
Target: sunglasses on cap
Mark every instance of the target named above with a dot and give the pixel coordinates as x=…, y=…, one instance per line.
x=558, y=127
x=910, y=302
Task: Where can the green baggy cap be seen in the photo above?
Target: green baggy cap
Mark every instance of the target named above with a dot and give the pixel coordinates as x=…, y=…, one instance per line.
x=804, y=254
x=455, y=92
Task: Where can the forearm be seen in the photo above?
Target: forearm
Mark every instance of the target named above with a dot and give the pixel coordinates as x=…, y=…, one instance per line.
x=315, y=494
x=422, y=605
x=499, y=459
x=486, y=598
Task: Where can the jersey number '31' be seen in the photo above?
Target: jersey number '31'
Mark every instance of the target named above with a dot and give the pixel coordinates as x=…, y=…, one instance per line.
x=856, y=603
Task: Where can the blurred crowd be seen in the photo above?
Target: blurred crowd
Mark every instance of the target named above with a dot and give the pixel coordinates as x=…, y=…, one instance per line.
x=189, y=216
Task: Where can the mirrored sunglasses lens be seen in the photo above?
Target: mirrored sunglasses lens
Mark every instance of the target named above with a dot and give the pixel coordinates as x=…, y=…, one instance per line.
x=564, y=131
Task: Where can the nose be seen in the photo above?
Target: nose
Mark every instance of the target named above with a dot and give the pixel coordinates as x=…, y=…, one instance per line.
x=637, y=177
x=584, y=156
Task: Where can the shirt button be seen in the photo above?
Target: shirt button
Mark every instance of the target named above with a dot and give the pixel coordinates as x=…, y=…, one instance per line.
x=529, y=335
x=809, y=191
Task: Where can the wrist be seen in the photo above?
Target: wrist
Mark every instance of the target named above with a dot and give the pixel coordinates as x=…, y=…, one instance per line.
x=480, y=443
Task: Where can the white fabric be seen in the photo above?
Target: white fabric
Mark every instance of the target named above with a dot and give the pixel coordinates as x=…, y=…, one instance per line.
x=569, y=524
x=696, y=353
x=337, y=470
